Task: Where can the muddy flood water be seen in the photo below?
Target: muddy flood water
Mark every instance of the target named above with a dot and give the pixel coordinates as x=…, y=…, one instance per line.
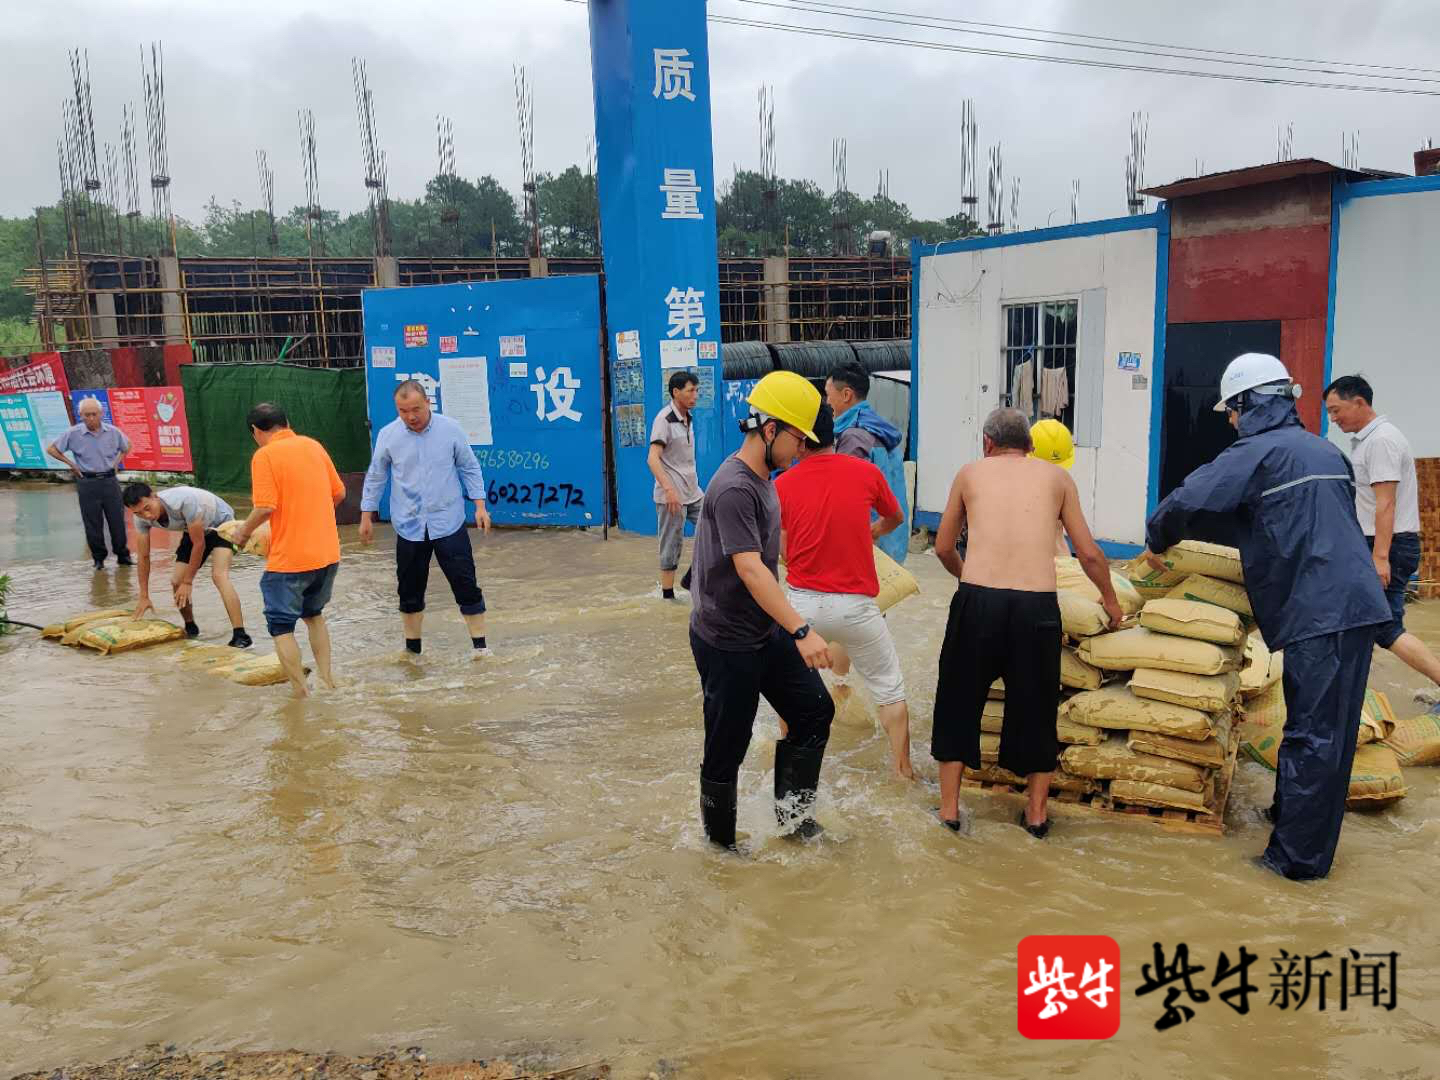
x=505, y=858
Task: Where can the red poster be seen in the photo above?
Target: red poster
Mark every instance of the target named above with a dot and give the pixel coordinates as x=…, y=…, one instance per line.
x=153, y=418
x=46, y=371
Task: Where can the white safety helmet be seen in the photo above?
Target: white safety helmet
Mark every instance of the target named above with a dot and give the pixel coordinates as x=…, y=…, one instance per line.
x=1250, y=371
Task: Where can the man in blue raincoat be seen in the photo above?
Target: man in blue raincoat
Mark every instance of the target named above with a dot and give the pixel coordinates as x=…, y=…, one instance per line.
x=1291, y=496
x=862, y=432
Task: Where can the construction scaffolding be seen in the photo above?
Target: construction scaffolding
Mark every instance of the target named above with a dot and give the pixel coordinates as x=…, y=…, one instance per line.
x=306, y=310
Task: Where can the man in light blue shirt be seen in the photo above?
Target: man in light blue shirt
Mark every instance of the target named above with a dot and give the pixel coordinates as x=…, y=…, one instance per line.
x=97, y=449
x=431, y=470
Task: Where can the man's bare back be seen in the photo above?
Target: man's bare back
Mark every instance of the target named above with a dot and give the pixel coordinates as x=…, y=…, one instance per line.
x=1012, y=504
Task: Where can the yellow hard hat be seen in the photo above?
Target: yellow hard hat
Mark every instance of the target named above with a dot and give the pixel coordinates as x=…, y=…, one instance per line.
x=789, y=398
x=1053, y=443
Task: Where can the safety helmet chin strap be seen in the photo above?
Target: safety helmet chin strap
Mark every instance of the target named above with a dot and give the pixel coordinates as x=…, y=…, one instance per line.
x=756, y=422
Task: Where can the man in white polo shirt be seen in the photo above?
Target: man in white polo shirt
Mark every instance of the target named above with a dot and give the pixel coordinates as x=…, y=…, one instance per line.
x=1387, y=501
x=678, y=497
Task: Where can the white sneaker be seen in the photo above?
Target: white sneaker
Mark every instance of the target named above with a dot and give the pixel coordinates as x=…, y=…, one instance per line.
x=480, y=654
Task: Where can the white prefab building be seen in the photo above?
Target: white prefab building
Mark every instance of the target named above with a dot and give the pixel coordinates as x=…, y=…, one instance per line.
x=1056, y=322
x=1385, y=293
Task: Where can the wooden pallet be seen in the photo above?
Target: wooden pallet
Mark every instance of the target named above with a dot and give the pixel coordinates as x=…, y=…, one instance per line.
x=1101, y=804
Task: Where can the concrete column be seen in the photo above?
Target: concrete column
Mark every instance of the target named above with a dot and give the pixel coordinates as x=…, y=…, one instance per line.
x=170, y=305
x=776, y=299
x=539, y=266
x=105, y=327
x=387, y=272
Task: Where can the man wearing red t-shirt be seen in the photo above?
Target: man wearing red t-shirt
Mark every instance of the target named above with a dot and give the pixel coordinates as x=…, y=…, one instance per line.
x=827, y=541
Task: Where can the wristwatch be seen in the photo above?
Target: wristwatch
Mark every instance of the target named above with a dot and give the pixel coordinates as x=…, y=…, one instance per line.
x=800, y=633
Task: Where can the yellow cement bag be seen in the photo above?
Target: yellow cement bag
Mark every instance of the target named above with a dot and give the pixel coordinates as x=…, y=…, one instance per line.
x=1375, y=779
x=256, y=671
x=1081, y=617
x=1211, y=560
x=60, y=629
x=259, y=542
x=896, y=583
x=1262, y=742
x=992, y=717
x=996, y=691
x=1416, y=741
x=1377, y=719
x=1117, y=709
x=1073, y=734
x=989, y=749
x=1138, y=647
x=1267, y=708
x=1207, y=590
x=72, y=637
x=1150, y=583
x=1207, y=753
x=209, y=657
x=130, y=634
x=1208, y=693
x=1069, y=577
x=1113, y=760
x=1163, y=796
x=1077, y=674
x=1059, y=779
x=1263, y=668
x=1192, y=619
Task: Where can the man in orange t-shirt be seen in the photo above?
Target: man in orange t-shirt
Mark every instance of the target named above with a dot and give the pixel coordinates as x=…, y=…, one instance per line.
x=295, y=487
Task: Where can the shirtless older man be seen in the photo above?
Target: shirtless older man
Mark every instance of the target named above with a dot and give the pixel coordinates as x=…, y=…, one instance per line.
x=1005, y=619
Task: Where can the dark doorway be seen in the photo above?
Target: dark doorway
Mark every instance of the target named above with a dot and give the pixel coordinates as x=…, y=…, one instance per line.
x=1192, y=434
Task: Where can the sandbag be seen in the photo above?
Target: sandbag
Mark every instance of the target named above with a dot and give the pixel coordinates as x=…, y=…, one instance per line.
x=1163, y=796
x=208, y=657
x=896, y=583
x=72, y=637
x=1059, y=779
x=1211, y=560
x=992, y=717
x=1208, y=693
x=1139, y=647
x=1262, y=743
x=1375, y=779
x=1081, y=617
x=1263, y=668
x=1192, y=619
x=256, y=671
x=1117, y=709
x=1377, y=719
x=1207, y=753
x=60, y=629
x=1149, y=582
x=1073, y=734
x=1267, y=708
x=989, y=748
x=259, y=542
x=996, y=691
x=1077, y=674
x=130, y=634
x=1070, y=577
x=1207, y=590
x=1416, y=741
x=1114, y=760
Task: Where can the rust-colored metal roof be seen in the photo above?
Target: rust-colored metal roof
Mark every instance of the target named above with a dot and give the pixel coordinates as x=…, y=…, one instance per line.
x=1259, y=174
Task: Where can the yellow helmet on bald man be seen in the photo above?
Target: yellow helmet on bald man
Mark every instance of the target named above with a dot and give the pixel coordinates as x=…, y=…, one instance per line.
x=785, y=396
x=1051, y=441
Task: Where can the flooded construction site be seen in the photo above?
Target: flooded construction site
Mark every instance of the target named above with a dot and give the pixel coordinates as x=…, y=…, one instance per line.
x=505, y=859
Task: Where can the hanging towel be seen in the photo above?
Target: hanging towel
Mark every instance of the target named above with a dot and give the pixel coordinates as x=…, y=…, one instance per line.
x=1054, y=391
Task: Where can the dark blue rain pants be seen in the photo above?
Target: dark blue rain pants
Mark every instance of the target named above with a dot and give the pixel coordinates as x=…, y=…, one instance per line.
x=1325, y=681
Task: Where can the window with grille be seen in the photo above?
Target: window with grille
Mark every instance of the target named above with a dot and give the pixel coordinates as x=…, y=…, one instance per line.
x=1039, y=354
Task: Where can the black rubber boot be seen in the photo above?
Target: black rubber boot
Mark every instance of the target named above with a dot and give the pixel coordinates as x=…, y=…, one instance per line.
x=717, y=811
x=797, y=775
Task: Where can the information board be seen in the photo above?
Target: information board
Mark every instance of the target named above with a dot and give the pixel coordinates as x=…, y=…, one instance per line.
x=30, y=423
x=152, y=418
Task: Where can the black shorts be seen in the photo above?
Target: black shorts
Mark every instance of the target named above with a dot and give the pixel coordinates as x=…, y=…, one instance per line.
x=457, y=563
x=1000, y=634
x=213, y=540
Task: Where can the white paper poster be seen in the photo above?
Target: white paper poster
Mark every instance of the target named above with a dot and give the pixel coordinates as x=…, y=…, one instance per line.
x=512, y=345
x=382, y=356
x=627, y=345
x=677, y=353
x=465, y=395
x=519, y=369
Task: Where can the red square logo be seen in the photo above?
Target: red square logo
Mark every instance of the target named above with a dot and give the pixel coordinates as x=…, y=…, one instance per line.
x=1068, y=986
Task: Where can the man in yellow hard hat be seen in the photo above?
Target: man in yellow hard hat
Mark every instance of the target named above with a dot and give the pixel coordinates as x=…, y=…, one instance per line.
x=748, y=641
x=1053, y=442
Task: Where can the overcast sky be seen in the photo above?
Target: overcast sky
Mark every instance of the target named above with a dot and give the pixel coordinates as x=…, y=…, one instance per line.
x=237, y=72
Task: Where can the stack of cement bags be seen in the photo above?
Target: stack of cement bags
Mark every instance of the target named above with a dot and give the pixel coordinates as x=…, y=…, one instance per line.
x=112, y=631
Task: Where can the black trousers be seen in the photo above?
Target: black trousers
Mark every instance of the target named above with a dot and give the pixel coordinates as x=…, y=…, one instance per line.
x=1325, y=681
x=457, y=563
x=734, y=682
x=100, y=506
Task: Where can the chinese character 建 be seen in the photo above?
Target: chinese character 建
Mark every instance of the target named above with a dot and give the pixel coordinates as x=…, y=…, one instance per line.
x=672, y=74
x=681, y=196
x=687, y=312
x=561, y=387
x=1053, y=982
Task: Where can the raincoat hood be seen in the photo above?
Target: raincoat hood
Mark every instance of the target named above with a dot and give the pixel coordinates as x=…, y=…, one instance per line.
x=1272, y=412
x=864, y=416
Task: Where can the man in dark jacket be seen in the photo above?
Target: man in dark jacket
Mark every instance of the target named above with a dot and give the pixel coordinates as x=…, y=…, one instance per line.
x=1291, y=496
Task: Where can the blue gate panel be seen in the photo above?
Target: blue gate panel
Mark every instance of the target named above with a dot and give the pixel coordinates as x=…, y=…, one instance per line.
x=518, y=364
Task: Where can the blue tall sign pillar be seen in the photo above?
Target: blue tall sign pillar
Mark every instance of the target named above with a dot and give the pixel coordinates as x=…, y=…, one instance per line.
x=650, y=62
